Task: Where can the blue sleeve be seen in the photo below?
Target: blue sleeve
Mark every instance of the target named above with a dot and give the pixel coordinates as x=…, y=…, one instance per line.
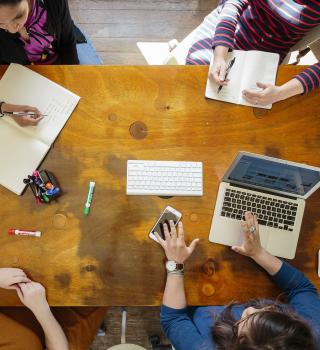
x=302, y=295
x=181, y=331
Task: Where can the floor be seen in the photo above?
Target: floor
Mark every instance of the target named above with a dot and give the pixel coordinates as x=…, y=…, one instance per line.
x=142, y=322
x=115, y=27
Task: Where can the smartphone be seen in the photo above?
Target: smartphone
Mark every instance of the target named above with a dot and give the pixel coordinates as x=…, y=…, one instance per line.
x=168, y=214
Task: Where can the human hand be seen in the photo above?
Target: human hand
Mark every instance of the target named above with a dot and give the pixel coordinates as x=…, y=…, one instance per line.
x=251, y=245
x=10, y=277
x=268, y=95
x=25, y=120
x=217, y=71
x=174, y=245
x=33, y=296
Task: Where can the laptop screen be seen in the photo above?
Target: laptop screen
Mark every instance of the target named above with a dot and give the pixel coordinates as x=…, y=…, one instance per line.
x=268, y=174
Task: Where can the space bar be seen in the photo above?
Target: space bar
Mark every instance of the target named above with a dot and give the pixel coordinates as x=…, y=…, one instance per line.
x=164, y=192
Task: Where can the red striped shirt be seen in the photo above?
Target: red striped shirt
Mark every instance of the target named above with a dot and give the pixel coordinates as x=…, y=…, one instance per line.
x=269, y=25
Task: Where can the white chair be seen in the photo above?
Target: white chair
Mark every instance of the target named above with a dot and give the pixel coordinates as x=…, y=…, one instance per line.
x=124, y=345
x=176, y=52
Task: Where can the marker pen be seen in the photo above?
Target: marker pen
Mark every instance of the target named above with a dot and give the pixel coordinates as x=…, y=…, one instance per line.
x=86, y=209
x=17, y=232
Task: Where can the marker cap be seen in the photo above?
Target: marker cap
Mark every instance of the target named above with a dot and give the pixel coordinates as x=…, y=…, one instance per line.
x=11, y=231
x=86, y=210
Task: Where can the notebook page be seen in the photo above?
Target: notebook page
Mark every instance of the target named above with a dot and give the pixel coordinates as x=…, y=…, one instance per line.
x=20, y=154
x=259, y=67
x=230, y=92
x=20, y=85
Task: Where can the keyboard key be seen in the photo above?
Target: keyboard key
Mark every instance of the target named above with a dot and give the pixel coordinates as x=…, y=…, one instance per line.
x=262, y=222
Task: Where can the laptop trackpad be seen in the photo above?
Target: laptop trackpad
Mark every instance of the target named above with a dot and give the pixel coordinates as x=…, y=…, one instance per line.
x=229, y=232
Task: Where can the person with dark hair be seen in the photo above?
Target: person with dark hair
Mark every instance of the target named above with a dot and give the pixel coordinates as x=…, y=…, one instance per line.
x=36, y=32
x=256, y=325
x=271, y=26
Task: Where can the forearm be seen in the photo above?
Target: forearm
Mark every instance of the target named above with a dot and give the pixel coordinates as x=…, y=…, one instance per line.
x=220, y=52
x=268, y=262
x=54, y=336
x=227, y=24
x=174, y=294
x=291, y=88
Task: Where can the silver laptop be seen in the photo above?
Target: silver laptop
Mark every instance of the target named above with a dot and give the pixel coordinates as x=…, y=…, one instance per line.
x=275, y=190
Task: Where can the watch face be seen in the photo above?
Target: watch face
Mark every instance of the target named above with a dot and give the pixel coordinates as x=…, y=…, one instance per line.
x=171, y=265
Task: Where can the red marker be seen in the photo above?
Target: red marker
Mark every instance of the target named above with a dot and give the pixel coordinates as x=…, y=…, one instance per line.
x=13, y=232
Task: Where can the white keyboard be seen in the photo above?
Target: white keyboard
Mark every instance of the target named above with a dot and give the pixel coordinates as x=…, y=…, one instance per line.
x=164, y=178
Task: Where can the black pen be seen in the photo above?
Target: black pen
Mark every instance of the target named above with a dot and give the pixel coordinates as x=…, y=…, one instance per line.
x=227, y=72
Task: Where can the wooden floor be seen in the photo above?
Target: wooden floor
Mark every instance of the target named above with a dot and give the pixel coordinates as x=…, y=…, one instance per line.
x=116, y=25
x=142, y=322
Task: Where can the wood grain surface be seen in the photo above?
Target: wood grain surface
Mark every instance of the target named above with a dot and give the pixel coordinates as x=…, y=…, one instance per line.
x=107, y=257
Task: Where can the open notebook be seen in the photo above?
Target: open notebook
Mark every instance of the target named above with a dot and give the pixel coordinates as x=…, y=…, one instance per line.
x=249, y=68
x=23, y=148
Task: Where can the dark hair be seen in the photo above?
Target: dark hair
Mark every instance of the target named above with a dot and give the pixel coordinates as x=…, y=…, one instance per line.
x=9, y=2
x=274, y=328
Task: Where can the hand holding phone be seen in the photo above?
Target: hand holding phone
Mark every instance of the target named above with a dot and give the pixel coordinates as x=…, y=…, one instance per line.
x=168, y=214
x=175, y=246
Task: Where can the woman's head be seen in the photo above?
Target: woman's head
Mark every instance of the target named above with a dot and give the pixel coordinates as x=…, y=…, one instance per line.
x=269, y=327
x=13, y=14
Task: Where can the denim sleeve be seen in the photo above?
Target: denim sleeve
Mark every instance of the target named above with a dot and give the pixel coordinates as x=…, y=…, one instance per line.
x=181, y=331
x=302, y=295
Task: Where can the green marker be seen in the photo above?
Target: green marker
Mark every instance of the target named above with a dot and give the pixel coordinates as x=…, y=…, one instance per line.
x=86, y=209
x=45, y=198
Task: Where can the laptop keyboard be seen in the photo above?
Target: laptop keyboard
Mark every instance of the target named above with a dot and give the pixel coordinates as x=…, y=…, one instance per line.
x=270, y=211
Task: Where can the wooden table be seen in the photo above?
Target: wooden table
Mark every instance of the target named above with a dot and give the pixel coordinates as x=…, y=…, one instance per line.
x=107, y=257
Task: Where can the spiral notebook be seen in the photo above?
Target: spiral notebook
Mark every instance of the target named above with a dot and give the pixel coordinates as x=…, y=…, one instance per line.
x=23, y=148
x=249, y=68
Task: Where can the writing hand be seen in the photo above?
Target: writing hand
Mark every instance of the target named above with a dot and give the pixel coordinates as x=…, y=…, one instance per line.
x=25, y=120
x=217, y=71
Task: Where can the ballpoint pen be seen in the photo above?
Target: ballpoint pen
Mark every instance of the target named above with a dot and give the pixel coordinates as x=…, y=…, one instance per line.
x=227, y=72
x=32, y=114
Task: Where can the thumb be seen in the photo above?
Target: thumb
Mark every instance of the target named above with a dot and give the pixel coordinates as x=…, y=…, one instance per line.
x=262, y=85
x=193, y=245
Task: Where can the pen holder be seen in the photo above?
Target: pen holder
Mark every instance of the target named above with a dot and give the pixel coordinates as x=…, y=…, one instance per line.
x=44, y=186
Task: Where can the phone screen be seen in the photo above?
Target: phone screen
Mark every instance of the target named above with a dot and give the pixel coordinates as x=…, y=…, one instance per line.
x=164, y=219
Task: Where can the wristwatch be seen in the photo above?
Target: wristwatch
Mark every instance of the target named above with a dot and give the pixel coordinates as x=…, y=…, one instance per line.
x=174, y=267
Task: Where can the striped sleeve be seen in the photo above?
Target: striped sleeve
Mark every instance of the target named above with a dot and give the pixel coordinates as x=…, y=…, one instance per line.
x=228, y=19
x=310, y=78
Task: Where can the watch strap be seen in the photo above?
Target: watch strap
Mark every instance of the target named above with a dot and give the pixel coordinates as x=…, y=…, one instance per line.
x=1, y=111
